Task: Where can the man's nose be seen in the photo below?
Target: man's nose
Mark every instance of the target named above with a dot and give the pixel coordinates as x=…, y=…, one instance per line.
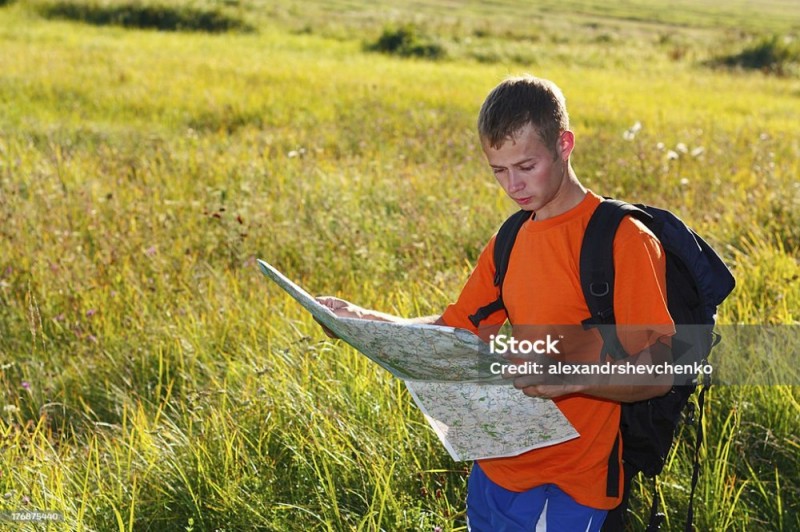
x=515, y=182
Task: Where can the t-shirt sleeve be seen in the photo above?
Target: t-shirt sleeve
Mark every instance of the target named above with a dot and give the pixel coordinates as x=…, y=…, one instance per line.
x=477, y=292
x=640, y=288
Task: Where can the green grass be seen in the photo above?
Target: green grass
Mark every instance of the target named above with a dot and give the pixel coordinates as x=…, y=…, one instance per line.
x=142, y=172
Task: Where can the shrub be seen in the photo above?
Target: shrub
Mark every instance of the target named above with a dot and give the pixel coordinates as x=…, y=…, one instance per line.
x=774, y=55
x=406, y=41
x=145, y=16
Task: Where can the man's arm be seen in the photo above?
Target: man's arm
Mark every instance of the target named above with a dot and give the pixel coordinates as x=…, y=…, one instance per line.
x=345, y=309
x=621, y=393
x=639, y=298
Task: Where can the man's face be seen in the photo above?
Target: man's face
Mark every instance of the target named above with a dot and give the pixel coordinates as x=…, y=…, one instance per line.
x=529, y=172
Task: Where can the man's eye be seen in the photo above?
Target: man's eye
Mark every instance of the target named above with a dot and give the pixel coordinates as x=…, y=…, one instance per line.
x=498, y=170
x=526, y=168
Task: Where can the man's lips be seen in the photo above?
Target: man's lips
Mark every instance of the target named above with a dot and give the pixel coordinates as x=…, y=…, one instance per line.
x=523, y=201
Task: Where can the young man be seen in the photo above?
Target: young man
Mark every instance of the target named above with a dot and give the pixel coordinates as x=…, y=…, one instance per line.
x=524, y=131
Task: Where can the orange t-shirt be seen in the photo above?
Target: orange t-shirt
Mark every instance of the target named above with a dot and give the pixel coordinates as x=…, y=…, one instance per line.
x=542, y=287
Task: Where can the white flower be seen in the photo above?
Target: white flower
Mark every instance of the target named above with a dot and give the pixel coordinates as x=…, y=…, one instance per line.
x=631, y=132
x=684, y=181
x=672, y=155
x=660, y=146
x=698, y=151
x=681, y=147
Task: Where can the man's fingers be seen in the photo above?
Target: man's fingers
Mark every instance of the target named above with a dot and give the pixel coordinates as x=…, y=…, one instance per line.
x=525, y=381
x=550, y=391
x=332, y=303
x=530, y=391
x=327, y=331
x=340, y=307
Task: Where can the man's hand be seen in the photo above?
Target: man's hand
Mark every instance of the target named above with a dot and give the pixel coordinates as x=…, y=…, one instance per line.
x=532, y=384
x=340, y=307
x=547, y=391
x=345, y=309
x=616, y=387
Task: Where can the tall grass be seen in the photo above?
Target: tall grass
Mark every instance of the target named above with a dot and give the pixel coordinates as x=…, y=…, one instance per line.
x=150, y=378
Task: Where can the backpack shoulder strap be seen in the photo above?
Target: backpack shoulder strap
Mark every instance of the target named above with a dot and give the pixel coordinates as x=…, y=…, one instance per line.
x=597, y=269
x=503, y=244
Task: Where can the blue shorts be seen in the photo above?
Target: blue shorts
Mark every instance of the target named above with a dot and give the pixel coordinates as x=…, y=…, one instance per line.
x=491, y=508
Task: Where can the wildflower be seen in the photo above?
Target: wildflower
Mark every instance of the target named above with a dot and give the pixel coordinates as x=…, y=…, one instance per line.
x=150, y=251
x=631, y=132
x=684, y=182
x=91, y=312
x=698, y=151
x=26, y=385
x=11, y=409
x=681, y=147
x=672, y=155
x=660, y=146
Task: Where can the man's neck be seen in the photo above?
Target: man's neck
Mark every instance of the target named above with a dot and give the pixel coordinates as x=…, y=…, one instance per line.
x=571, y=193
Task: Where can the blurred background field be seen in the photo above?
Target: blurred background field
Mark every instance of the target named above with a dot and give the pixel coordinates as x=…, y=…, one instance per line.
x=152, y=379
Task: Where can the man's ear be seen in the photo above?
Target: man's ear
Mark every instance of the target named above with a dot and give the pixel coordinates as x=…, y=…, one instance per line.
x=566, y=143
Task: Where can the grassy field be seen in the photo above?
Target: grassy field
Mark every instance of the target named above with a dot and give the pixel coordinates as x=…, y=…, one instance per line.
x=152, y=379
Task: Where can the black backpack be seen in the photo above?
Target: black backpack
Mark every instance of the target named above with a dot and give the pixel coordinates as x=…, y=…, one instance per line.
x=697, y=282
